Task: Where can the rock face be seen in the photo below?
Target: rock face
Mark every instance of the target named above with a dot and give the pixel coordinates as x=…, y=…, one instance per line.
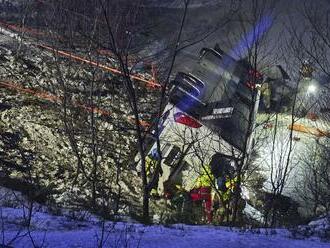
x=52, y=137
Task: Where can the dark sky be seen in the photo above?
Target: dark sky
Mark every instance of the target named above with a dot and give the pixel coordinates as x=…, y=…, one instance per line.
x=285, y=16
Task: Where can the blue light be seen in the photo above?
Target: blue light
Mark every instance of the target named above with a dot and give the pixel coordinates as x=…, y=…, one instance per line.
x=253, y=36
x=246, y=43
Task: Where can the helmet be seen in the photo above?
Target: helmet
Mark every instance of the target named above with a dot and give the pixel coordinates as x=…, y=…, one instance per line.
x=306, y=62
x=154, y=154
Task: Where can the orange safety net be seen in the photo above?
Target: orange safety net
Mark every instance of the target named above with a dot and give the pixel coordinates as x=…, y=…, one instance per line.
x=56, y=99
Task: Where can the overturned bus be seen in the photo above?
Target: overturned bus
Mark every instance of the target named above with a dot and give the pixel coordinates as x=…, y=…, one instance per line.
x=208, y=122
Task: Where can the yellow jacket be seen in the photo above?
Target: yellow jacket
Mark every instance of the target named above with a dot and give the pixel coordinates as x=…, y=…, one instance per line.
x=150, y=165
x=205, y=178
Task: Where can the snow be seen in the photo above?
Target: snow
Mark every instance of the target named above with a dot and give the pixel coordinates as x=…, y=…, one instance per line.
x=177, y=4
x=61, y=231
x=253, y=213
x=319, y=227
x=320, y=222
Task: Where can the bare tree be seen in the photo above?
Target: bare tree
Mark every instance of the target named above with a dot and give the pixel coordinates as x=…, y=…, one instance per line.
x=252, y=43
x=310, y=45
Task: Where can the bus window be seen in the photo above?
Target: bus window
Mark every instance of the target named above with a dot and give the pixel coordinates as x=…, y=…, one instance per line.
x=198, y=83
x=172, y=157
x=165, y=149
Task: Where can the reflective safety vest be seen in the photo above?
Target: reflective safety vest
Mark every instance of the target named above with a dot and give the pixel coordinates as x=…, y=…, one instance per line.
x=230, y=185
x=205, y=178
x=150, y=165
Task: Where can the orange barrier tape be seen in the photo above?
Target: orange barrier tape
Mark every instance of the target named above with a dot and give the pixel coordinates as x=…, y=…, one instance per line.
x=39, y=94
x=21, y=29
x=309, y=130
x=56, y=99
x=30, y=31
x=149, y=83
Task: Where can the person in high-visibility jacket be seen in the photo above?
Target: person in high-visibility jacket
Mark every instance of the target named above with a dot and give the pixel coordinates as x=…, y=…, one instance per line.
x=151, y=163
x=230, y=185
x=222, y=202
x=203, y=187
x=205, y=178
x=202, y=191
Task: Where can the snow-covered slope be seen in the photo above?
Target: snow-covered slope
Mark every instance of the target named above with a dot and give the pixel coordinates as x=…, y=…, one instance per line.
x=59, y=231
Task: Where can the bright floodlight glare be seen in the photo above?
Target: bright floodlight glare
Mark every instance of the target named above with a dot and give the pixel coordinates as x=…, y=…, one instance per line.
x=311, y=88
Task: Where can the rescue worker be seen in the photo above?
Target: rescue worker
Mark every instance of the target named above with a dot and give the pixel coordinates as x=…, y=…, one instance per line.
x=265, y=93
x=225, y=201
x=230, y=185
x=201, y=191
x=151, y=163
x=226, y=182
x=306, y=70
